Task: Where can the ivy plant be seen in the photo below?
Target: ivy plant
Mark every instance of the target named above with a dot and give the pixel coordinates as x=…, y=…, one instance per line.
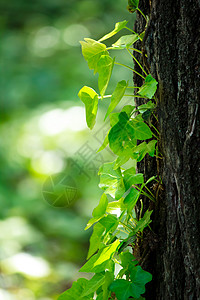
x=116, y=228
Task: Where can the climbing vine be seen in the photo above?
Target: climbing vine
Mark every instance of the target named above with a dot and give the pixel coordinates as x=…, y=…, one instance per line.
x=116, y=226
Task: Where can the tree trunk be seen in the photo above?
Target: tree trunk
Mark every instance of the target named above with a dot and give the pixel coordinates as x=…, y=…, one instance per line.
x=172, y=44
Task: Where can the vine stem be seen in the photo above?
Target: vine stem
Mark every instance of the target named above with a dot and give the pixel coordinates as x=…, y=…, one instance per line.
x=116, y=63
x=155, y=129
x=136, y=61
x=136, y=96
x=142, y=14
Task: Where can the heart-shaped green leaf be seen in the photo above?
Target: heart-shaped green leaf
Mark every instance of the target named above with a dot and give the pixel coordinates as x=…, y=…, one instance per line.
x=90, y=98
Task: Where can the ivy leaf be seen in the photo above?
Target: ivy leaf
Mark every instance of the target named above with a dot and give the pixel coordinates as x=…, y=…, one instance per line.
x=75, y=292
x=140, y=129
x=151, y=147
x=109, y=278
x=90, y=98
x=121, y=160
x=139, y=278
x=93, y=284
x=100, y=210
x=140, y=151
x=92, y=51
x=122, y=288
x=96, y=239
x=118, y=26
x=131, y=199
x=125, y=41
x=125, y=289
x=122, y=136
x=109, y=222
x=107, y=252
x=130, y=178
x=115, y=205
x=91, y=267
x=111, y=180
x=148, y=89
x=133, y=5
x=147, y=106
x=104, y=68
x=105, y=143
x=127, y=259
x=117, y=96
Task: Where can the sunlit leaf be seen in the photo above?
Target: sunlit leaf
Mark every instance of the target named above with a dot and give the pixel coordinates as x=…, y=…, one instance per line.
x=105, y=143
x=75, y=292
x=117, y=96
x=111, y=180
x=118, y=26
x=104, y=68
x=90, y=98
x=125, y=41
x=101, y=208
x=131, y=199
x=95, y=239
x=92, y=51
x=91, y=267
x=109, y=222
x=107, y=253
x=148, y=89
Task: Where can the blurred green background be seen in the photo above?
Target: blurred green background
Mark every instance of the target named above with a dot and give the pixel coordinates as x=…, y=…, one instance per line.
x=42, y=127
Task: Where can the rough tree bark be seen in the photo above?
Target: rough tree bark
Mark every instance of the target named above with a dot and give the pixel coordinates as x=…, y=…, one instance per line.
x=172, y=43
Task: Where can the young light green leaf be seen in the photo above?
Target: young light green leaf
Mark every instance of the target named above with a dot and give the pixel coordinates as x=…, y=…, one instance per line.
x=107, y=253
x=118, y=26
x=109, y=222
x=115, y=206
x=90, y=98
x=90, y=267
x=100, y=210
x=104, y=68
x=92, y=221
x=128, y=174
x=148, y=89
x=75, y=292
x=111, y=180
x=117, y=96
x=93, y=284
x=95, y=239
x=92, y=51
x=125, y=41
x=121, y=160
